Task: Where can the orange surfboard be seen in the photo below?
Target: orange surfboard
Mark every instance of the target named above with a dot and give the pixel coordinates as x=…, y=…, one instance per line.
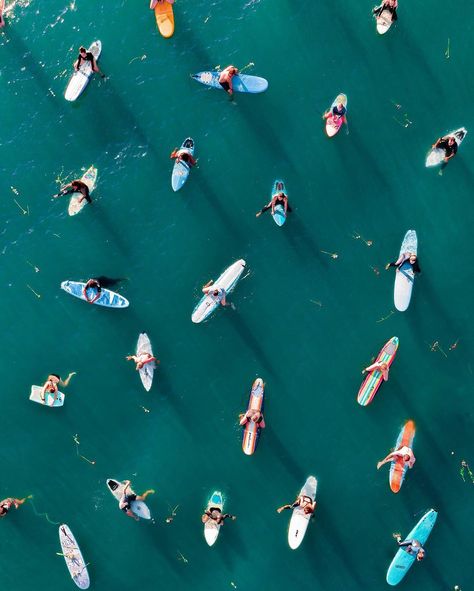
x=251, y=431
x=165, y=18
x=398, y=468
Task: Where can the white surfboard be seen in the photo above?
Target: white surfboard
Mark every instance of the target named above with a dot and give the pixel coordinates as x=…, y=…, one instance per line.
x=139, y=508
x=299, y=519
x=35, y=396
x=146, y=372
x=404, y=275
x=80, y=79
x=211, y=528
x=436, y=155
x=75, y=563
x=384, y=21
x=75, y=203
x=207, y=304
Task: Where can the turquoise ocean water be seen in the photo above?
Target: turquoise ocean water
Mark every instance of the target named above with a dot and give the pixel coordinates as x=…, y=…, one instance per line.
x=306, y=322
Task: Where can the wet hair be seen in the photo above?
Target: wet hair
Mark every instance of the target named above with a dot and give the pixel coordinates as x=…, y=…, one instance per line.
x=55, y=375
x=81, y=49
x=215, y=292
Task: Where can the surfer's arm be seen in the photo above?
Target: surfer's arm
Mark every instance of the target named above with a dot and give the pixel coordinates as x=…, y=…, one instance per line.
x=385, y=460
x=280, y=509
x=373, y=367
x=243, y=419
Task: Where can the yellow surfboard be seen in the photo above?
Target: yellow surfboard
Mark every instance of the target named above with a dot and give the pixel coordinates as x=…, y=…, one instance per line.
x=165, y=18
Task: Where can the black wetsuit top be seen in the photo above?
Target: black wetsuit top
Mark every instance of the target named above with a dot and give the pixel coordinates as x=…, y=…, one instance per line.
x=89, y=58
x=449, y=150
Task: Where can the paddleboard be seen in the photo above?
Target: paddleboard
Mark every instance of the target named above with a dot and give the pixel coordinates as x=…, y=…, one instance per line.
x=251, y=430
x=240, y=82
x=402, y=560
x=374, y=379
x=404, y=275
x=139, y=508
x=146, y=372
x=80, y=79
x=35, y=396
x=279, y=217
x=384, y=21
x=181, y=169
x=436, y=155
x=75, y=563
x=398, y=468
x=165, y=18
x=228, y=280
x=299, y=519
x=332, y=126
x=90, y=179
x=211, y=528
x=108, y=298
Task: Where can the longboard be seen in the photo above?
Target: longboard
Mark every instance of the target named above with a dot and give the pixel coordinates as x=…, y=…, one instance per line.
x=279, y=217
x=108, y=298
x=35, y=396
x=80, y=79
x=164, y=18
x=374, y=378
x=404, y=275
x=299, y=519
x=228, y=280
x=75, y=562
x=147, y=371
x=333, y=126
x=251, y=431
x=398, y=468
x=211, y=528
x=139, y=508
x=181, y=169
x=90, y=179
x=403, y=561
x=240, y=82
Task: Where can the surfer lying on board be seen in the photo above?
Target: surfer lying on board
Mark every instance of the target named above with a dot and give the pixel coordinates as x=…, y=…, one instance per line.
x=413, y=547
x=306, y=503
x=217, y=293
x=381, y=366
x=86, y=56
x=338, y=112
x=153, y=3
x=405, y=452
x=449, y=145
x=278, y=199
x=183, y=155
x=406, y=256
x=390, y=5
x=142, y=359
x=6, y=505
x=76, y=186
x=215, y=514
x=225, y=78
x=51, y=385
x=252, y=416
x=124, y=503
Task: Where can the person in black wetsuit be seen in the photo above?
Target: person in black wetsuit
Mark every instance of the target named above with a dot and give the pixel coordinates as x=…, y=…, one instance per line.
x=449, y=145
x=406, y=256
x=76, y=186
x=215, y=514
x=390, y=5
x=86, y=56
x=128, y=497
x=278, y=198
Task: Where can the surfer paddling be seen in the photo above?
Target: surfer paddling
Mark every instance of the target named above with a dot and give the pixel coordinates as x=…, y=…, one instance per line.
x=142, y=359
x=51, y=385
x=279, y=198
x=306, y=503
x=7, y=504
x=86, y=56
x=389, y=5
x=76, y=186
x=128, y=498
x=405, y=452
x=225, y=78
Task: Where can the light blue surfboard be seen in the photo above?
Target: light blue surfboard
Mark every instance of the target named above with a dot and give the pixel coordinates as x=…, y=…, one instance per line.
x=279, y=217
x=240, y=82
x=181, y=169
x=108, y=298
x=402, y=560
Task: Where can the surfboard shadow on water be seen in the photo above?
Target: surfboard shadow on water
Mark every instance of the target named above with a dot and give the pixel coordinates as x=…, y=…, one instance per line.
x=274, y=446
x=174, y=400
x=302, y=241
x=102, y=218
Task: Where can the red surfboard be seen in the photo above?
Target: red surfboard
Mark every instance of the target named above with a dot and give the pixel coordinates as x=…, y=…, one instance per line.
x=252, y=430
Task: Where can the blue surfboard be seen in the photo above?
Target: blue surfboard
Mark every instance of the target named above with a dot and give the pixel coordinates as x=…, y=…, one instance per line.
x=181, y=169
x=240, y=82
x=108, y=298
x=402, y=560
x=279, y=217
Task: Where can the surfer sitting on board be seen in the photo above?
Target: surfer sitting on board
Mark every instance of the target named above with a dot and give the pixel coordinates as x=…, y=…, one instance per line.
x=449, y=145
x=51, y=385
x=306, y=503
x=215, y=514
x=92, y=284
x=183, y=155
x=217, y=293
x=278, y=199
x=153, y=3
x=6, y=505
x=126, y=499
x=87, y=56
x=141, y=359
x=225, y=78
x=252, y=416
x=76, y=186
x=405, y=452
x=337, y=113
x=413, y=547
x=381, y=366
x=390, y=5
x=406, y=256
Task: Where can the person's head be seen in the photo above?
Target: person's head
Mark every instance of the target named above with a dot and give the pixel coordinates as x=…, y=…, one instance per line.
x=406, y=457
x=420, y=555
x=451, y=140
x=340, y=106
x=82, y=50
x=412, y=258
x=54, y=378
x=215, y=292
x=383, y=365
x=308, y=508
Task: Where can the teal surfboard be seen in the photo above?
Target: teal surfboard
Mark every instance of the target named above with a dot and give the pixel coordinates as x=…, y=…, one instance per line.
x=240, y=82
x=279, y=216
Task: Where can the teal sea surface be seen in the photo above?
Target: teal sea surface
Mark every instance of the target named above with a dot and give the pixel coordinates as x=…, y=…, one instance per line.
x=313, y=309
